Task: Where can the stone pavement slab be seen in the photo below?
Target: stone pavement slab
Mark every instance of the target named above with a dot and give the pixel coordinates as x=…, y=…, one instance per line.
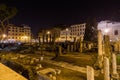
x=8, y=74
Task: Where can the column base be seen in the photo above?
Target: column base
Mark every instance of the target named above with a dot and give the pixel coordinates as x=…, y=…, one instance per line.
x=115, y=76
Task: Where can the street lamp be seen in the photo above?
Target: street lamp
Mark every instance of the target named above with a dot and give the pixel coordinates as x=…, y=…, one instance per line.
x=4, y=35
x=48, y=32
x=25, y=38
x=66, y=33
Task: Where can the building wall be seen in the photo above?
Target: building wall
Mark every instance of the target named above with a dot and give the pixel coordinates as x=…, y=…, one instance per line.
x=65, y=35
x=110, y=28
x=52, y=36
x=74, y=32
x=19, y=33
x=78, y=30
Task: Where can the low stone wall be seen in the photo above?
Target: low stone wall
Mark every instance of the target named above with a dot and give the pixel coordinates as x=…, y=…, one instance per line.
x=7, y=74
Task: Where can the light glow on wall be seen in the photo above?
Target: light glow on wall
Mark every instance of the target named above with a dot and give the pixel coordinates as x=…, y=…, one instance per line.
x=4, y=35
x=106, y=30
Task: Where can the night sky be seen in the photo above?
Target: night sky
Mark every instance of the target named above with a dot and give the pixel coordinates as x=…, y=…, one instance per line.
x=48, y=14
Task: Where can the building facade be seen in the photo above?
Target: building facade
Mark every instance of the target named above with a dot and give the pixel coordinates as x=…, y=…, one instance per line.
x=73, y=33
x=49, y=35
x=110, y=28
x=19, y=33
x=65, y=35
x=78, y=31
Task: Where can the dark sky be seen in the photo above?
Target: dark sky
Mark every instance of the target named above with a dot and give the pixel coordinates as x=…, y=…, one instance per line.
x=49, y=13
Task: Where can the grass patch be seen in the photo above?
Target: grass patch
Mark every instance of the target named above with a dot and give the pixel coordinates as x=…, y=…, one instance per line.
x=118, y=60
x=66, y=74
x=80, y=61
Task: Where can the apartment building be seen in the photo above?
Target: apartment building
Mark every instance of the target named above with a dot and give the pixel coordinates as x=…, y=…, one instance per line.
x=65, y=35
x=19, y=33
x=78, y=31
x=73, y=33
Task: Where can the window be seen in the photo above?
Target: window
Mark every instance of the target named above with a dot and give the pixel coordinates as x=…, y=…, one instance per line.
x=116, y=32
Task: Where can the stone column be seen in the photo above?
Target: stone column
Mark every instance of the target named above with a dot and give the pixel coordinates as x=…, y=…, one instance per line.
x=81, y=47
x=89, y=46
x=119, y=47
x=116, y=47
x=99, y=43
x=43, y=38
x=106, y=69
x=60, y=50
x=77, y=46
x=114, y=64
x=46, y=38
x=90, y=73
x=84, y=45
x=107, y=46
x=74, y=46
x=50, y=38
x=68, y=48
x=100, y=51
x=99, y=62
x=71, y=48
x=114, y=67
x=39, y=38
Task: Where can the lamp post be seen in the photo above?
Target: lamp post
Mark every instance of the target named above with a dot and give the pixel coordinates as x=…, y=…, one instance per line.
x=66, y=33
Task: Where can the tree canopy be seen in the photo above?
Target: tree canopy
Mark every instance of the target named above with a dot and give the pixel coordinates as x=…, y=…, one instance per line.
x=6, y=13
x=91, y=30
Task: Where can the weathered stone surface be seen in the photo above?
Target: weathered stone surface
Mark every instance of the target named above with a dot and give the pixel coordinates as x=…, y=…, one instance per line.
x=106, y=69
x=100, y=43
x=107, y=46
x=116, y=47
x=99, y=62
x=47, y=70
x=71, y=48
x=70, y=66
x=81, y=47
x=74, y=48
x=114, y=64
x=60, y=50
x=68, y=48
x=8, y=74
x=90, y=73
x=114, y=67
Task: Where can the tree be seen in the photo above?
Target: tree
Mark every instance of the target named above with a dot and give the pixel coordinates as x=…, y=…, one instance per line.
x=91, y=30
x=6, y=13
